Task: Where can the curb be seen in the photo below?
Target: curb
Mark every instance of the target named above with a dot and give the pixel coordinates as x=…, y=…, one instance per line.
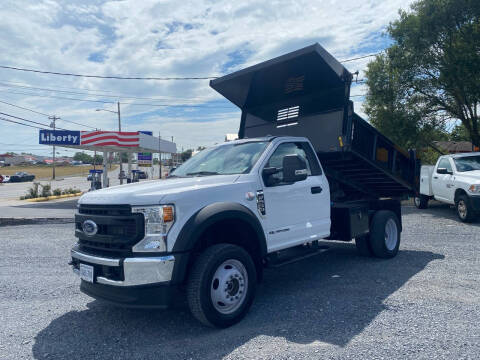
x=33, y=221
x=54, y=197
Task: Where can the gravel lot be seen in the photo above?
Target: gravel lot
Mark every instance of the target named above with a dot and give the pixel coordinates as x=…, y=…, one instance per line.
x=423, y=304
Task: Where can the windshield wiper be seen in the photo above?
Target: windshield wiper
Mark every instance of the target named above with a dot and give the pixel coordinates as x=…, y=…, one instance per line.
x=203, y=173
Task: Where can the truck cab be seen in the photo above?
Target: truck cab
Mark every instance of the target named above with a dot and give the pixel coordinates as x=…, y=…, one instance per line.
x=454, y=180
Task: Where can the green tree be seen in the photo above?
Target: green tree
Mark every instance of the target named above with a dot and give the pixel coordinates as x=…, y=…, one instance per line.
x=81, y=156
x=436, y=51
x=459, y=133
x=394, y=111
x=187, y=154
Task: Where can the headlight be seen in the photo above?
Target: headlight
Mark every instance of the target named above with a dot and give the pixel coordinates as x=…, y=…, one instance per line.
x=475, y=189
x=158, y=221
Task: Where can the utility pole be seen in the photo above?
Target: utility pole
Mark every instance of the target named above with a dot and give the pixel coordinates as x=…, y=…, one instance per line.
x=95, y=156
x=120, y=129
x=159, y=156
x=52, y=124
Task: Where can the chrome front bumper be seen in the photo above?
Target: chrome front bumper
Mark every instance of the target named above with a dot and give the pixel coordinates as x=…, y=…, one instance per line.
x=136, y=270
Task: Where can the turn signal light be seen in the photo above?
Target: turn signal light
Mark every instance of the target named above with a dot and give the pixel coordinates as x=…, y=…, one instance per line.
x=167, y=214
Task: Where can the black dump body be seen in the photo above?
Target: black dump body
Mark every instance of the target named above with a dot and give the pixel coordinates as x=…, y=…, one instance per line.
x=307, y=93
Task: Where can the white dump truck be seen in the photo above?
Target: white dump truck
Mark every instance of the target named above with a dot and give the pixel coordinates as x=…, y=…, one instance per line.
x=305, y=168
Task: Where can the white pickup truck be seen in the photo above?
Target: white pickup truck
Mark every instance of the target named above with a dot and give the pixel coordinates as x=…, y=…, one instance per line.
x=455, y=180
x=207, y=232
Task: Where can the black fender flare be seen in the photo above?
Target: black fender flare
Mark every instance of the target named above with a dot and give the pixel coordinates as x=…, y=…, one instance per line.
x=202, y=220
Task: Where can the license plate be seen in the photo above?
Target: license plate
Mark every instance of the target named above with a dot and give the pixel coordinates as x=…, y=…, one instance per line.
x=86, y=272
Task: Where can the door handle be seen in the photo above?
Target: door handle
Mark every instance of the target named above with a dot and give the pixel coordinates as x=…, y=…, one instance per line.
x=316, y=190
x=435, y=177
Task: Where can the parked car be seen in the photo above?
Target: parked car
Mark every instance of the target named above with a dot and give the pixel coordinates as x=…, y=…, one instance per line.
x=142, y=175
x=455, y=180
x=22, y=177
x=4, y=178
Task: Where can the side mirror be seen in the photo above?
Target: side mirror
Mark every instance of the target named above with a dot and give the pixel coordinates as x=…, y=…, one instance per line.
x=444, y=171
x=294, y=169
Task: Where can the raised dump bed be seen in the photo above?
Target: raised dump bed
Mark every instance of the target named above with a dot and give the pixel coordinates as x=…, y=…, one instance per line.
x=307, y=93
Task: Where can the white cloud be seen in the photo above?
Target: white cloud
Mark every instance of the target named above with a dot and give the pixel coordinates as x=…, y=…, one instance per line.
x=168, y=38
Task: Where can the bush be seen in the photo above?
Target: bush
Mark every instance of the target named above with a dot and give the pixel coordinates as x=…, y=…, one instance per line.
x=33, y=191
x=46, y=190
x=57, y=192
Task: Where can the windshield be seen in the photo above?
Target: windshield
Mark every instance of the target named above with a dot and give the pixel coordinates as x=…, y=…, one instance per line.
x=467, y=163
x=222, y=160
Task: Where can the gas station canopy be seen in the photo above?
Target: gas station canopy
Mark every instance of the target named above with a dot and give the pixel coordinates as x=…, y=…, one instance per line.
x=107, y=141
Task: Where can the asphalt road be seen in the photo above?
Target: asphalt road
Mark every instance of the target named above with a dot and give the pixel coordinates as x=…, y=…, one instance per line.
x=423, y=304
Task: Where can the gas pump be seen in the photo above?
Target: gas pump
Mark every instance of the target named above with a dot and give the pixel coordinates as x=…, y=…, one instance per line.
x=135, y=177
x=96, y=179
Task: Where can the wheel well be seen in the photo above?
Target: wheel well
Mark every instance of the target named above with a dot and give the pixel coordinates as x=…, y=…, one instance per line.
x=459, y=192
x=231, y=231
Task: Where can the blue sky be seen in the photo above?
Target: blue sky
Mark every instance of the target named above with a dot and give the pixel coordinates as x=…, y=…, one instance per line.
x=163, y=38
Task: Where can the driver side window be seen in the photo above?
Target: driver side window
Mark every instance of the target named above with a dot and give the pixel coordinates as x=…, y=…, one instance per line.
x=276, y=161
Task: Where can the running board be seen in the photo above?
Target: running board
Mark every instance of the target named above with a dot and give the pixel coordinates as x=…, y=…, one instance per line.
x=297, y=253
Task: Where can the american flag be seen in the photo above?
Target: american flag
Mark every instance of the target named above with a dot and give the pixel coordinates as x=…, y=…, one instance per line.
x=110, y=138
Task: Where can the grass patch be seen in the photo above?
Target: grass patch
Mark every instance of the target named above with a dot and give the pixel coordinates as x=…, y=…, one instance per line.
x=45, y=171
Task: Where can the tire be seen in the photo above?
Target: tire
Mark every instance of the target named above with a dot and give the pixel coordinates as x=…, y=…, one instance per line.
x=464, y=209
x=385, y=234
x=363, y=245
x=227, y=267
x=421, y=202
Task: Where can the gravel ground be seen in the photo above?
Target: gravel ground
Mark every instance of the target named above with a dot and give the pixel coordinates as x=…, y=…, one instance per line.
x=423, y=304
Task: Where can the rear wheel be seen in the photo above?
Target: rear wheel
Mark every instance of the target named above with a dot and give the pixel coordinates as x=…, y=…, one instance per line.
x=385, y=234
x=222, y=285
x=464, y=209
x=421, y=202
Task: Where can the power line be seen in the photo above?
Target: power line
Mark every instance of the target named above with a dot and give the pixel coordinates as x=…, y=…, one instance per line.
x=106, y=77
x=76, y=123
x=16, y=122
x=116, y=77
x=361, y=57
x=111, y=102
x=30, y=121
x=5, y=83
x=24, y=108
x=40, y=113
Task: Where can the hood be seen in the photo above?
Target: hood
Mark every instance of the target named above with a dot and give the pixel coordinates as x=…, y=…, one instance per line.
x=151, y=192
x=470, y=176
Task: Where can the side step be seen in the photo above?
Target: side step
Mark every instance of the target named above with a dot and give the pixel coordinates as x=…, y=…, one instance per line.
x=297, y=253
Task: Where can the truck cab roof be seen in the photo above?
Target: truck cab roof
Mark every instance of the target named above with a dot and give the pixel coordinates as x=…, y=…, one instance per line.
x=459, y=155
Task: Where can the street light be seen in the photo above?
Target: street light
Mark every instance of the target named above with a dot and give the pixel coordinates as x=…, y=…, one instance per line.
x=119, y=129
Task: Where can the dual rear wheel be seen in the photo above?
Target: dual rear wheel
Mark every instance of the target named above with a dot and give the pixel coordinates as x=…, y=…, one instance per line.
x=383, y=240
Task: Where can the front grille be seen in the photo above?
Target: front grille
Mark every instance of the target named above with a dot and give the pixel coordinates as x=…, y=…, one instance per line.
x=112, y=210
x=118, y=229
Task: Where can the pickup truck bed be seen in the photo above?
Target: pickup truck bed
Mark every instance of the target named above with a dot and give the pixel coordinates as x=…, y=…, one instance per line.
x=306, y=93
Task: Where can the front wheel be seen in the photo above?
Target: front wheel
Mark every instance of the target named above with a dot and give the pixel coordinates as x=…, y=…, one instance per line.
x=464, y=209
x=222, y=285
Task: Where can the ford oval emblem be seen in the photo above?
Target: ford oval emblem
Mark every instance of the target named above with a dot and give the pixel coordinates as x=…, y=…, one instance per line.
x=89, y=227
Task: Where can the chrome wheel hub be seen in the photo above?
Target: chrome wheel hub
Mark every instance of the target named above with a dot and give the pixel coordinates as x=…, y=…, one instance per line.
x=229, y=285
x=391, y=234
